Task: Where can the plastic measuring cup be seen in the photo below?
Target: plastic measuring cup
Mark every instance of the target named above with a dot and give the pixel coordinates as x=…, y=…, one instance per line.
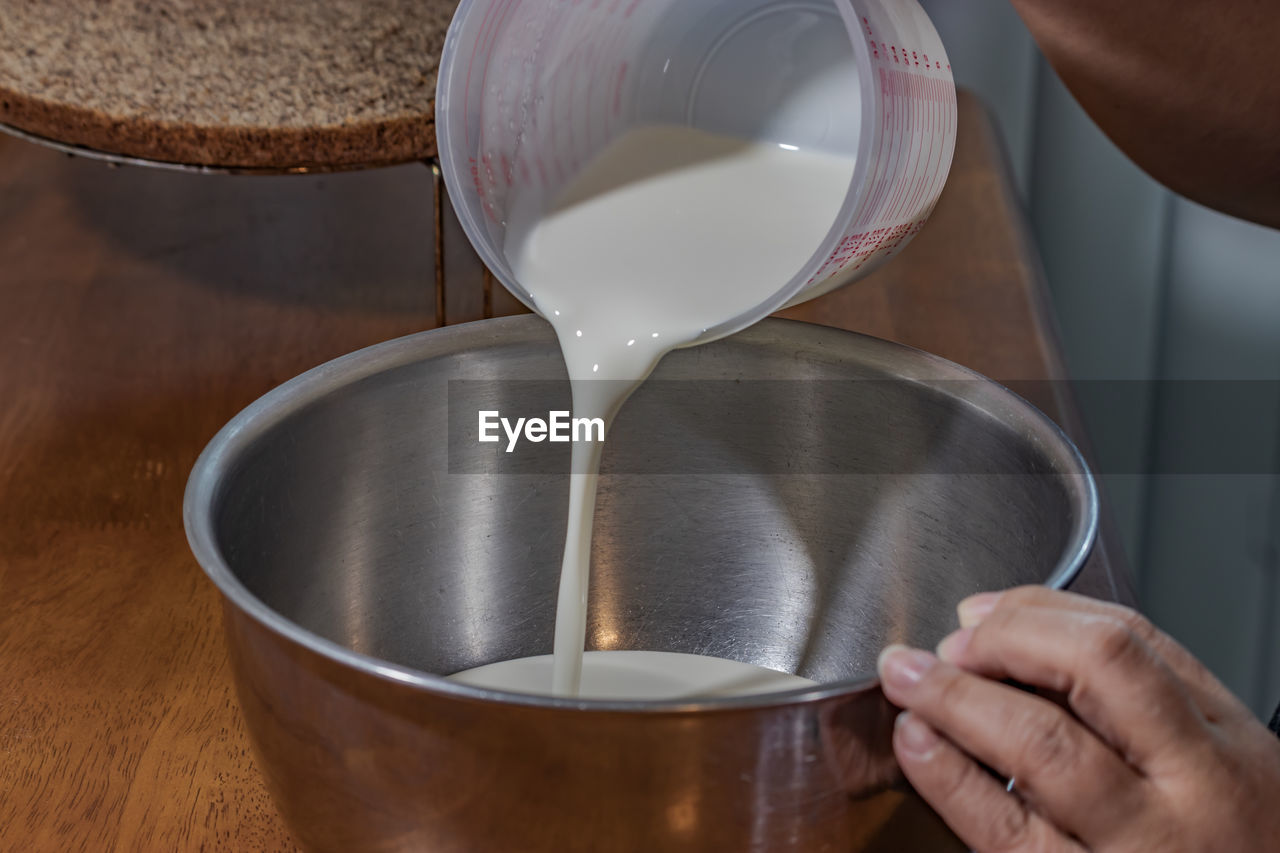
x=529, y=92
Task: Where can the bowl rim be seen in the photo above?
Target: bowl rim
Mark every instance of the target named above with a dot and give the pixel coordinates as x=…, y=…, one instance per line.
x=207, y=477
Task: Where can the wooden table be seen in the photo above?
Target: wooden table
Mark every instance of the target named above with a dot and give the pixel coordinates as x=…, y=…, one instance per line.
x=140, y=310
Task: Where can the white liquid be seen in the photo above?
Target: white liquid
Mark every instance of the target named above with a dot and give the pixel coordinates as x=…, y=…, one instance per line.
x=667, y=233
x=638, y=675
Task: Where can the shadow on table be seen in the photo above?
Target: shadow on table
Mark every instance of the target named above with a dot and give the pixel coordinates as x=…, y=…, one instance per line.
x=355, y=240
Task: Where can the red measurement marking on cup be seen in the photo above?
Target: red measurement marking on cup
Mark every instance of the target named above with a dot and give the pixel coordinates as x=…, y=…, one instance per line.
x=880, y=165
x=935, y=145
x=904, y=173
x=936, y=149
x=616, y=76
x=944, y=99
x=907, y=163
x=905, y=139
x=918, y=136
x=471, y=61
x=921, y=110
x=884, y=152
x=924, y=159
x=504, y=7
x=482, y=172
x=906, y=107
x=501, y=10
x=917, y=97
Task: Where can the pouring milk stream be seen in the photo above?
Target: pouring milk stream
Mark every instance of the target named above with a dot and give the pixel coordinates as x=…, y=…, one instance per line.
x=667, y=232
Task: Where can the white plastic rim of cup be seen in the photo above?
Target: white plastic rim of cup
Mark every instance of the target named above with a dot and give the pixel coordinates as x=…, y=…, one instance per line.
x=529, y=92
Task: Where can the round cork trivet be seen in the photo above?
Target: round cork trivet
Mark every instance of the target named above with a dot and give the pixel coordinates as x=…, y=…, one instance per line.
x=252, y=84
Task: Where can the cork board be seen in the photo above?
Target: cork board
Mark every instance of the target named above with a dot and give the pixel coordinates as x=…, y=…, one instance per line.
x=229, y=83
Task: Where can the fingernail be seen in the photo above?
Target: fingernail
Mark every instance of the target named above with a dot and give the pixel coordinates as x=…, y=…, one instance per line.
x=975, y=608
x=952, y=648
x=902, y=668
x=915, y=737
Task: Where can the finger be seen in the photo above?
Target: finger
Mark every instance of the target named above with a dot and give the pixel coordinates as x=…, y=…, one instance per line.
x=1214, y=700
x=1112, y=679
x=976, y=807
x=1062, y=769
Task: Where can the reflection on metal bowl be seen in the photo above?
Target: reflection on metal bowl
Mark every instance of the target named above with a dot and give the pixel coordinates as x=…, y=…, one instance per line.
x=848, y=495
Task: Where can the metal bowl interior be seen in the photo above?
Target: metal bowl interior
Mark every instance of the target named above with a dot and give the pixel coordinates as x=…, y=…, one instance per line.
x=794, y=497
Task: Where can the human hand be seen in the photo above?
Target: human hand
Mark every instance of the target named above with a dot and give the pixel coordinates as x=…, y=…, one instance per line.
x=1144, y=750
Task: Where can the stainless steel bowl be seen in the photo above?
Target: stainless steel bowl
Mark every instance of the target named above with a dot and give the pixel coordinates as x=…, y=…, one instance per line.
x=795, y=497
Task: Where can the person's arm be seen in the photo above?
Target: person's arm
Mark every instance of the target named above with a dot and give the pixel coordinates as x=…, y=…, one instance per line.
x=1189, y=90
